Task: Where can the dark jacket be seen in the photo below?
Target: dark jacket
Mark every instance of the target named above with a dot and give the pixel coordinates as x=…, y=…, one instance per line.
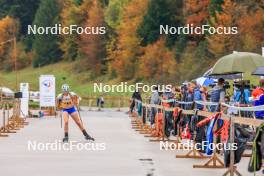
x=137, y=96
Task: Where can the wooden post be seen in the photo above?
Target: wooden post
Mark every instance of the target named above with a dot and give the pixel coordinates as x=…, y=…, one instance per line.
x=232, y=170
x=90, y=105
x=119, y=104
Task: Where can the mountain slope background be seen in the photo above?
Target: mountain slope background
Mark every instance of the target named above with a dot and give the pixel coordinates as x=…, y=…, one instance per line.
x=132, y=49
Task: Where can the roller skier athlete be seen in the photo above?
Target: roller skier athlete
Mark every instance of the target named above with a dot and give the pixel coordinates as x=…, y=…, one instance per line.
x=67, y=102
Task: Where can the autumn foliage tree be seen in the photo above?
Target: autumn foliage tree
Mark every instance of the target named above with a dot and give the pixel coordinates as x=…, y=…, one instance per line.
x=8, y=30
x=92, y=46
x=157, y=63
x=69, y=16
x=197, y=14
x=124, y=57
x=132, y=48
x=251, y=25
x=220, y=44
x=74, y=12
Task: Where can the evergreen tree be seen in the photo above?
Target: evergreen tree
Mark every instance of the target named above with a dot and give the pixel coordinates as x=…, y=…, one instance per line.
x=160, y=12
x=215, y=6
x=70, y=15
x=180, y=46
x=221, y=44
x=23, y=10
x=46, y=46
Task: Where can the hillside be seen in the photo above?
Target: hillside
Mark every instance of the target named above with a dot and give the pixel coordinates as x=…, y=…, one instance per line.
x=197, y=34
x=79, y=82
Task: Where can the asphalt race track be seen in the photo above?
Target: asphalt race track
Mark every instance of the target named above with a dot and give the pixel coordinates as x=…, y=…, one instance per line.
x=126, y=152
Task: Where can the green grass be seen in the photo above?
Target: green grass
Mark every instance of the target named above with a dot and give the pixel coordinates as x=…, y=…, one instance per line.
x=79, y=82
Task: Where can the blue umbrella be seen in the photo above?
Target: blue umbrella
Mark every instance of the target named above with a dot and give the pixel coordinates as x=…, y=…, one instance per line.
x=204, y=81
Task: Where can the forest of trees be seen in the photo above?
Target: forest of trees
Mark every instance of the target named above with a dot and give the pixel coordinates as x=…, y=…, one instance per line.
x=132, y=48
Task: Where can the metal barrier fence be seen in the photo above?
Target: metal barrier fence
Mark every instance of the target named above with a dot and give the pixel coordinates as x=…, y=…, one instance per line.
x=111, y=102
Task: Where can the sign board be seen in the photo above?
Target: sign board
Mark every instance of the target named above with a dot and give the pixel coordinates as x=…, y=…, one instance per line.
x=24, y=88
x=47, y=91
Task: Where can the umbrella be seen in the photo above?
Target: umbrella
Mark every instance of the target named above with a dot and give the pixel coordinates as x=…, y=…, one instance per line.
x=231, y=76
x=238, y=62
x=259, y=71
x=204, y=81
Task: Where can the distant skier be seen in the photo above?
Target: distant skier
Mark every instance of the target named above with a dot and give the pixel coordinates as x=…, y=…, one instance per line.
x=68, y=101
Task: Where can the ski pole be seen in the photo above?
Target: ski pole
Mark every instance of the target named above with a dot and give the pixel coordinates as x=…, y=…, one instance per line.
x=79, y=113
x=61, y=118
x=60, y=114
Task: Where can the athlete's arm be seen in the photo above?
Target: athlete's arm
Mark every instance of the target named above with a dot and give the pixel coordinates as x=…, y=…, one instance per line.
x=58, y=101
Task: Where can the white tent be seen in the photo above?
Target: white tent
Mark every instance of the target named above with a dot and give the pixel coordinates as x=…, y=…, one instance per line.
x=6, y=91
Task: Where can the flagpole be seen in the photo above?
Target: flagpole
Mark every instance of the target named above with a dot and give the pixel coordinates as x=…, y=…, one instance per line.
x=15, y=62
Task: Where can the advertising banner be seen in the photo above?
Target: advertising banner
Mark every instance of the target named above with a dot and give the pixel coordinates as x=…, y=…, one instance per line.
x=47, y=90
x=24, y=88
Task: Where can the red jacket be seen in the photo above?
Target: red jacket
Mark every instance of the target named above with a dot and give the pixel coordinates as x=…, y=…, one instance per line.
x=257, y=92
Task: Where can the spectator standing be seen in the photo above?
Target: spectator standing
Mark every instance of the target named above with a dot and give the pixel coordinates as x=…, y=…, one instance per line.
x=258, y=95
x=155, y=99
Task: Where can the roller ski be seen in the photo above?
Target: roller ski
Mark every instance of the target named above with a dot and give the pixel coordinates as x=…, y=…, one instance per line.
x=65, y=140
x=87, y=136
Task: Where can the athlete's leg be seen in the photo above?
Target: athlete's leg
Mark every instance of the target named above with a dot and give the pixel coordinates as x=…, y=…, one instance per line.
x=66, y=121
x=66, y=126
x=76, y=118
